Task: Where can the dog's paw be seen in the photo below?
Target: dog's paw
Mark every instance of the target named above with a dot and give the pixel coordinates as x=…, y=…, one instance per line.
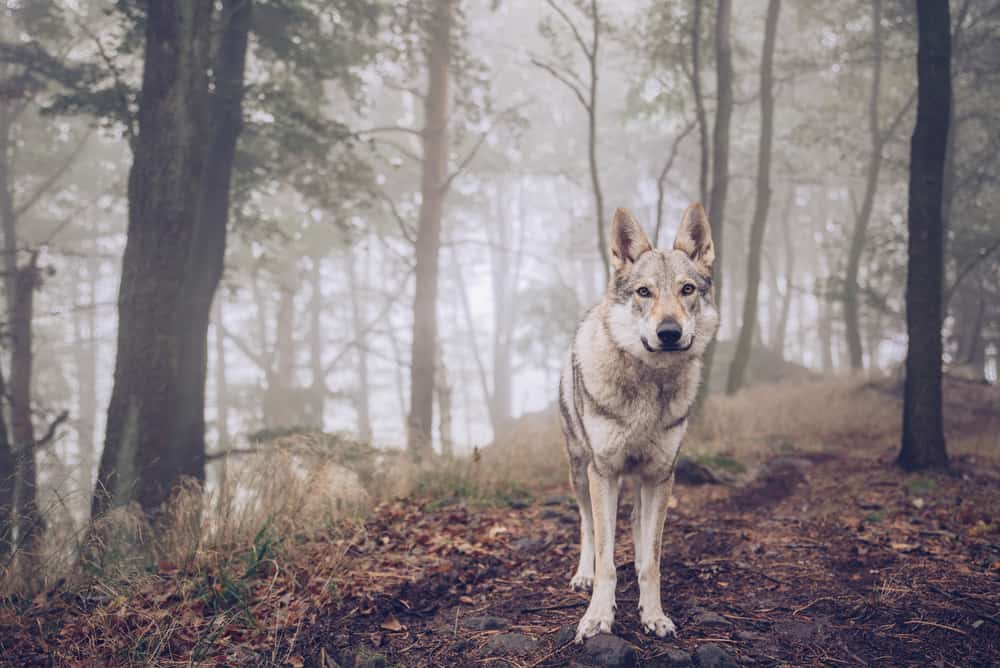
x=659, y=625
x=594, y=623
x=582, y=582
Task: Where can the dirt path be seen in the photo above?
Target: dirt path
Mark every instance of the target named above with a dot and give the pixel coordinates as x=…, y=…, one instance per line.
x=822, y=561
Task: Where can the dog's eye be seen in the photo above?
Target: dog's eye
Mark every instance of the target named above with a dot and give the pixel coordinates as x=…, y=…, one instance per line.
x=644, y=292
x=688, y=289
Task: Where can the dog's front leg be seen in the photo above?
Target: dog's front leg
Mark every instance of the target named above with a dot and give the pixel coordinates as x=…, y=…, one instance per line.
x=654, y=495
x=600, y=613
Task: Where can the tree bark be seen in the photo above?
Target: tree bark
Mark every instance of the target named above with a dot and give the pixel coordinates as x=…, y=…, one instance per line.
x=720, y=170
x=444, y=395
x=85, y=357
x=852, y=305
x=9, y=265
x=744, y=344
x=434, y=166
x=358, y=318
x=923, y=443
x=221, y=402
x=29, y=518
x=781, y=328
x=178, y=211
x=699, y=101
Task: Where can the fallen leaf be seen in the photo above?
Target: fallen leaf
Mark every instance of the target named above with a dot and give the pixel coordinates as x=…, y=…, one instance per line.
x=392, y=624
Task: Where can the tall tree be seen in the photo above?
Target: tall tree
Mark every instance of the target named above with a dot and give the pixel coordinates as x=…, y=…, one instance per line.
x=744, y=344
x=585, y=91
x=923, y=444
x=720, y=167
x=433, y=187
x=190, y=115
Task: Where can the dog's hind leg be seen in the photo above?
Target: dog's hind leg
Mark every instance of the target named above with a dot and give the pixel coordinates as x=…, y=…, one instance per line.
x=655, y=496
x=583, y=579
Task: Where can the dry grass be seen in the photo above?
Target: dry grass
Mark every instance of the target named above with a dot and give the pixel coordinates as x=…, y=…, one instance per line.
x=755, y=423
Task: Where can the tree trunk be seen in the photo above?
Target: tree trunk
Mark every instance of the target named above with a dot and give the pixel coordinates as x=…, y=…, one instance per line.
x=221, y=403
x=720, y=169
x=358, y=318
x=29, y=518
x=178, y=210
x=500, y=270
x=699, y=101
x=744, y=344
x=443, y=389
x=923, y=444
x=9, y=265
x=595, y=175
x=781, y=329
x=852, y=306
x=85, y=357
x=434, y=167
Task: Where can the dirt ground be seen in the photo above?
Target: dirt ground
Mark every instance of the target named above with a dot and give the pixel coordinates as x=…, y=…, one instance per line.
x=821, y=560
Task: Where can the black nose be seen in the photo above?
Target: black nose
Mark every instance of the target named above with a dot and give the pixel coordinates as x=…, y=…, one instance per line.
x=669, y=332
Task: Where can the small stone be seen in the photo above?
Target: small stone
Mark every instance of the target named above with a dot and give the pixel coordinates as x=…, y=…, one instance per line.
x=610, y=651
x=462, y=646
x=712, y=656
x=703, y=617
x=370, y=661
x=558, y=500
x=517, y=644
x=564, y=635
x=673, y=657
x=529, y=544
x=487, y=623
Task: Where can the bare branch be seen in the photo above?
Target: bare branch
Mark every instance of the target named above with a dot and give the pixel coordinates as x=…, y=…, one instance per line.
x=556, y=74
x=45, y=185
x=50, y=433
x=391, y=128
x=662, y=178
x=983, y=253
x=894, y=125
x=572, y=26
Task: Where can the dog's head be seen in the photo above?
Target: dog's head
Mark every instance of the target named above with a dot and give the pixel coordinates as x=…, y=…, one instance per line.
x=662, y=301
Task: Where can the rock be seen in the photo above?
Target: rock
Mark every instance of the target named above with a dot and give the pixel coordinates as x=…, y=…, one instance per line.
x=796, y=629
x=704, y=617
x=517, y=644
x=673, y=657
x=711, y=655
x=529, y=544
x=564, y=635
x=462, y=646
x=487, y=623
x=559, y=500
x=370, y=661
x=610, y=651
x=690, y=472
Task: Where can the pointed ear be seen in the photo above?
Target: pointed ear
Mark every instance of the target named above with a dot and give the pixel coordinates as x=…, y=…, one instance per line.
x=694, y=238
x=628, y=241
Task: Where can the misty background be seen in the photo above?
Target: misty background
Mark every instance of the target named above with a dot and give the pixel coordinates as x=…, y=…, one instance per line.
x=555, y=113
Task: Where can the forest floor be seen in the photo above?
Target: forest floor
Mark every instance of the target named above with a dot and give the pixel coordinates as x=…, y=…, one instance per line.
x=821, y=559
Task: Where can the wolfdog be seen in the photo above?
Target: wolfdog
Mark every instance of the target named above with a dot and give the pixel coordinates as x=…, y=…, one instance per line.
x=625, y=392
